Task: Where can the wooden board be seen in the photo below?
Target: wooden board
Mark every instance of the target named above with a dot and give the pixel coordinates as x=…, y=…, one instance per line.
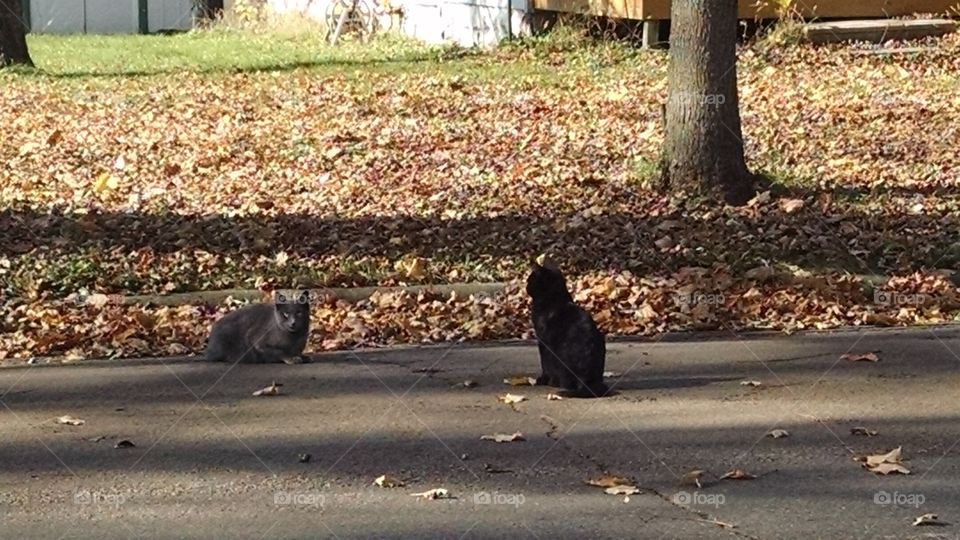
x=877, y=31
x=750, y=9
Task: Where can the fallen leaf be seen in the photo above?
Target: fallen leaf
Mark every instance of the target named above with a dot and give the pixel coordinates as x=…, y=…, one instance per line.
x=611, y=374
x=721, y=524
x=760, y=198
x=433, y=494
x=889, y=468
x=778, y=433
x=554, y=397
x=893, y=456
x=750, y=383
x=387, y=481
x=272, y=390
x=621, y=490
x=466, y=384
x=510, y=399
x=98, y=300
x=737, y=474
x=104, y=182
x=664, y=243
x=927, y=519
x=607, y=480
x=865, y=357
x=124, y=444
x=70, y=421
x=55, y=137
x=790, y=206
x=863, y=431
x=692, y=478
x=520, y=380
x=503, y=437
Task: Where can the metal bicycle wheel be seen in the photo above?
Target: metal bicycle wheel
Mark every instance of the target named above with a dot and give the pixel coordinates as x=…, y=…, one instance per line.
x=357, y=15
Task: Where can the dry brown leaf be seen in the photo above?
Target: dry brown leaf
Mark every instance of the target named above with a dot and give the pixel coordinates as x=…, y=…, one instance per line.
x=272, y=390
x=554, y=397
x=859, y=430
x=606, y=481
x=888, y=468
x=893, y=456
x=927, y=519
x=750, y=383
x=664, y=243
x=98, y=300
x=387, y=481
x=864, y=357
x=737, y=474
x=621, y=490
x=692, y=478
x=778, y=433
x=721, y=524
x=433, y=494
x=790, y=206
x=503, y=437
x=520, y=380
x=70, y=421
x=510, y=399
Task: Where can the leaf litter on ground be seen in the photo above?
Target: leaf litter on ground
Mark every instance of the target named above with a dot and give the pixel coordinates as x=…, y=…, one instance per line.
x=91, y=210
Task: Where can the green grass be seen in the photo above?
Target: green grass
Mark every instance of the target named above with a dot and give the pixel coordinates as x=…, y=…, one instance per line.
x=545, y=60
x=212, y=51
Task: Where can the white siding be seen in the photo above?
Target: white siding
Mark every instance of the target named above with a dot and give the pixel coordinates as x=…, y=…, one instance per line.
x=465, y=22
x=311, y=8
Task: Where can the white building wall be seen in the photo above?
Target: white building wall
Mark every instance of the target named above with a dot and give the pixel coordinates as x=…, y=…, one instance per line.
x=464, y=22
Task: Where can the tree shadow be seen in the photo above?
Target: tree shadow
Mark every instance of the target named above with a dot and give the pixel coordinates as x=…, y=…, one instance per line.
x=851, y=239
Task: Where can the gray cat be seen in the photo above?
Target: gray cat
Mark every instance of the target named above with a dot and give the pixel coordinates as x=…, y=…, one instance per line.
x=263, y=333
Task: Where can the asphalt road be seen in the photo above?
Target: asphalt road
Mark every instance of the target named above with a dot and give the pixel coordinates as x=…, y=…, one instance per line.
x=212, y=461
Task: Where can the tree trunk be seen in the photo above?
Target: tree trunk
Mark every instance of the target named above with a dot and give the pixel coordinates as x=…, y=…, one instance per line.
x=13, y=35
x=703, y=149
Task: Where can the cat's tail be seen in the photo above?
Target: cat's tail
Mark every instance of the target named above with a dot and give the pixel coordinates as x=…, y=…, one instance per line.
x=593, y=389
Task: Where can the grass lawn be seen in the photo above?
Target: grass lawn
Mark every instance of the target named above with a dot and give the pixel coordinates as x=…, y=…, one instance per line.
x=222, y=159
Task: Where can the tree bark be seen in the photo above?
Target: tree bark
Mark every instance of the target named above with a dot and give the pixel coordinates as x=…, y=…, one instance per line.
x=13, y=35
x=703, y=148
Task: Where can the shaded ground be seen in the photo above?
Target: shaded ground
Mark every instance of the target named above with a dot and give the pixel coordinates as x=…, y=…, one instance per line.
x=226, y=464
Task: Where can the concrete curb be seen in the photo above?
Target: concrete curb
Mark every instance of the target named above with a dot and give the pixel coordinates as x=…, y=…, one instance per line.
x=357, y=294
x=352, y=294
x=717, y=336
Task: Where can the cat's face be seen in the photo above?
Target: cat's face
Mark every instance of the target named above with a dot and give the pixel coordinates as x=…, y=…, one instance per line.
x=293, y=313
x=544, y=282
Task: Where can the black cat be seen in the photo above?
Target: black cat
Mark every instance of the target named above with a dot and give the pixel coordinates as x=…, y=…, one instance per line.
x=263, y=333
x=572, y=348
